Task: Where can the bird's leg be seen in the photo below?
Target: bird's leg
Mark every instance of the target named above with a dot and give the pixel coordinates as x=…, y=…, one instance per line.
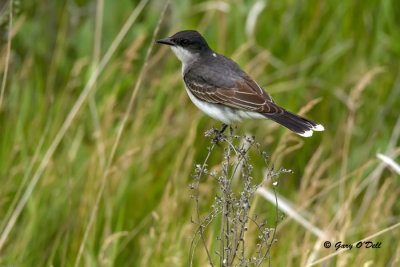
x=218, y=134
x=223, y=128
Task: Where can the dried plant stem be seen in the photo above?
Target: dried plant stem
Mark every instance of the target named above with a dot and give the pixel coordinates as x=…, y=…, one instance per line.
x=198, y=207
x=233, y=206
x=274, y=234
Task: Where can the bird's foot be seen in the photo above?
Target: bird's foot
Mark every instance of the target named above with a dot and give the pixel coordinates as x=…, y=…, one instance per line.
x=219, y=135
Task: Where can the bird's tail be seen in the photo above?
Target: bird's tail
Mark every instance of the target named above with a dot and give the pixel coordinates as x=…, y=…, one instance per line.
x=295, y=123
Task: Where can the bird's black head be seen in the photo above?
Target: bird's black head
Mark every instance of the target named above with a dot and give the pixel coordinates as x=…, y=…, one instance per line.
x=189, y=39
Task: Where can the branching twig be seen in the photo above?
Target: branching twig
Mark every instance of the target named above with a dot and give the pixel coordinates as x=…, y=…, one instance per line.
x=196, y=197
x=233, y=205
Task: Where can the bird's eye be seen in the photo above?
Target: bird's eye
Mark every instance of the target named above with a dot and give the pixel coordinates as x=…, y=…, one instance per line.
x=184, y=41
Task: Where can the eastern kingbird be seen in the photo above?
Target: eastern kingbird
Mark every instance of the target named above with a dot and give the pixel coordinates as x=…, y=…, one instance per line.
x=222, y=90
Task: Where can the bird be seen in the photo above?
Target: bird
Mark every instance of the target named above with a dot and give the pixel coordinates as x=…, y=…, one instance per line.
x=220, y=88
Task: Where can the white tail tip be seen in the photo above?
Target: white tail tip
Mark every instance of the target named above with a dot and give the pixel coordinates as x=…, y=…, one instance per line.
x=318, y=128
x=306, y=133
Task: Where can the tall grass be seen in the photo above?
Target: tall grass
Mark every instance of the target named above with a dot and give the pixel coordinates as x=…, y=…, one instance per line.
x=115, y=186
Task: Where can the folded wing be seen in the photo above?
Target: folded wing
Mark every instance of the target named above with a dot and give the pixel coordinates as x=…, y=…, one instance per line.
x=241, y=93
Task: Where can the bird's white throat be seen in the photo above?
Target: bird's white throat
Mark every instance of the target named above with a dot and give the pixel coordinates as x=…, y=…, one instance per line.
x=184, y=55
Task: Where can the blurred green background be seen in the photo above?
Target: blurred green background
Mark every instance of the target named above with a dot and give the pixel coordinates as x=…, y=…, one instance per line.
x=83, y=184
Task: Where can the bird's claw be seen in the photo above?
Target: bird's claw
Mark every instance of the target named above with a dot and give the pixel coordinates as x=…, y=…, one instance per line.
x=219, y=136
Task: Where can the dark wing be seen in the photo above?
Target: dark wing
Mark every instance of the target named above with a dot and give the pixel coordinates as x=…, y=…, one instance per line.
x=235, y=68
x=253, y=85
x=230, y=88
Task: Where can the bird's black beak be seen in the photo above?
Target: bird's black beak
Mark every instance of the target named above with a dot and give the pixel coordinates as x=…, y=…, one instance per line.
x=166, y=41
